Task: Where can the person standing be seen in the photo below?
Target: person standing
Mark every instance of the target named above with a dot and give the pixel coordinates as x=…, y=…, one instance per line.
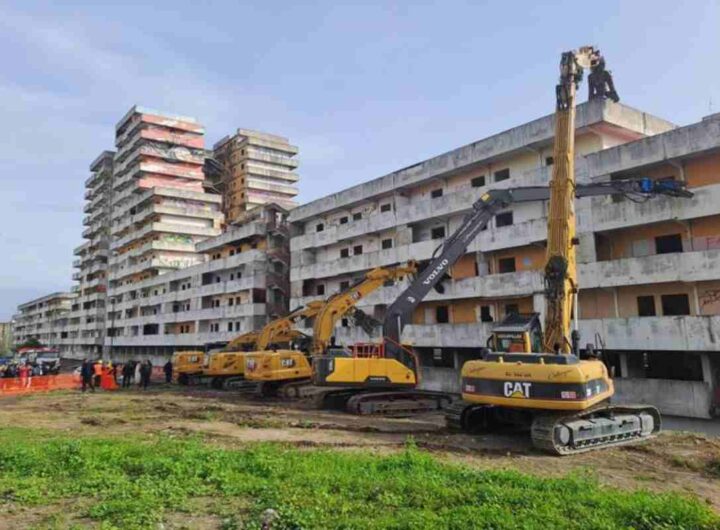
x=145, y=369
x=168, y=369
x=97, y=372
x=86, y=374
x=24, y=372
x=127, y=371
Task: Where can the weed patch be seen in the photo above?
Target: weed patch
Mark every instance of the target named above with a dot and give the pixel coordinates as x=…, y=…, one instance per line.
x=138, y=482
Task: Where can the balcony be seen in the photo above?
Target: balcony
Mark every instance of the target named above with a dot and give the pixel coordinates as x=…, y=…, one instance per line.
x=694, y=266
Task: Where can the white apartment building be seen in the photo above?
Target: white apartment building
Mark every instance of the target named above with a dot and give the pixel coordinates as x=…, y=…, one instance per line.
x=241, y=282
x=648, y=273
x=44, y=319
x=85, y=331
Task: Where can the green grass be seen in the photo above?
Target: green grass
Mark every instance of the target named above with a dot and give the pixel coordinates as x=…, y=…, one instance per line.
x=135, y=482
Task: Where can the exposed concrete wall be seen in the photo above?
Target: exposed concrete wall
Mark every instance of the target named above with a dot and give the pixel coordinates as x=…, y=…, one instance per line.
x=675, y=398
x=440, y=380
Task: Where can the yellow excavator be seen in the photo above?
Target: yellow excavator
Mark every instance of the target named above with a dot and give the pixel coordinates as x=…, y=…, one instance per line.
x=223, y=367
x=287, y=373
x=226, y=367
x=509, y=383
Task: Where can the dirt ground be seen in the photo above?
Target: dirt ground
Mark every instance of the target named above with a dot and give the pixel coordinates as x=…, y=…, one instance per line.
x=672, y=462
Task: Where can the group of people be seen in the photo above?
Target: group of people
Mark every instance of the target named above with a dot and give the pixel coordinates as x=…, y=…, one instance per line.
x=106, y=374
x=24, y=371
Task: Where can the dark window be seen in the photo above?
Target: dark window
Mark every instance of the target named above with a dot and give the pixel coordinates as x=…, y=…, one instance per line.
x=385, y=207
x=504, y=219
x=675, y=304
x=216, y=303
x=501, y=175
x=511, y=309
x=668, y=244
x=478, y=182
x=344, y=252
x=229, y=326
x=344, y=322
x=231, y=301
x=549, y=160
x=357, y=250
x=646, y=306
x=320, y=227
x=506, y=265
x=343, y=220
x=436, y=193
x=320, y=290
x=437, y=233
x=344, y=285
x=442, y=314
x=485, y=315
x=386, y=243
x=357, y=216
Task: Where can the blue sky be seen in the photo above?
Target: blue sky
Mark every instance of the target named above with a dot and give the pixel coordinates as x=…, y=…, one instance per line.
x=361, y=88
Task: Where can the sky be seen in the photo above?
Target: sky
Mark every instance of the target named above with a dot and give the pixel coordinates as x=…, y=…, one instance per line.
x=362, y=89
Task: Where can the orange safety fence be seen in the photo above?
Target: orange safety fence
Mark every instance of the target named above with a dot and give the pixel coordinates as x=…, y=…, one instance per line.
x=10, y=386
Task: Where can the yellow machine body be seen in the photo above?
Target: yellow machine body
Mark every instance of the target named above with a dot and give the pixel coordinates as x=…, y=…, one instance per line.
x=535, y=381
x=362, y=371
x=187, y=363
x=223, y=363
x=280, y=365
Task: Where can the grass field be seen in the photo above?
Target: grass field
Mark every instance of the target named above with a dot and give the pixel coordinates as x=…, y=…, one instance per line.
x=54, y=480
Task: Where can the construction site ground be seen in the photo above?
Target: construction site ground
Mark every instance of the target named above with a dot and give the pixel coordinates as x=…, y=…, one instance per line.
x=674, y=461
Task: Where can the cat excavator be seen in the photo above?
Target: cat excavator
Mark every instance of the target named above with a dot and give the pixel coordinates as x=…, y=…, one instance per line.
x=518, y=380
x=287, y=373
x=224, y=368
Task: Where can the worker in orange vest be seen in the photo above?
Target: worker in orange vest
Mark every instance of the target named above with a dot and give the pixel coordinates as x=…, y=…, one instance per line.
x=97, y=372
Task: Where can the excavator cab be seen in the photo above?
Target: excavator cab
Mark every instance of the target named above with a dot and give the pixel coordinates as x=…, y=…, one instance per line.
x=517, y=333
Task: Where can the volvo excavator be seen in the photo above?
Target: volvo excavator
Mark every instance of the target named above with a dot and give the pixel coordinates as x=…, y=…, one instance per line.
x=547, y=388
x=287, y=373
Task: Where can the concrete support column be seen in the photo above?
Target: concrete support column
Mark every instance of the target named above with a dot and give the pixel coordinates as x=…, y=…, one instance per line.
x=586, y=250
x=624, y=365
x=539, y=305
x=707, y=370
x=457, y=362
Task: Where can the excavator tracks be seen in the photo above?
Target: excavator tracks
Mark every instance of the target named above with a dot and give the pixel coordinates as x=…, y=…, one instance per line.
x=606, y=426
x=298, y=389
x=237, y=384
x=385, y=403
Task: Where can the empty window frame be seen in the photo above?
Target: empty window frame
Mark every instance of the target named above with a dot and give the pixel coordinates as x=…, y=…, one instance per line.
x=502, y=174
x=478, y=182
x=646, y=306
x=436, y=193
x=437, y=233
x=506, y=265
x=504, y=219
x=675, y=304
x=668, y=244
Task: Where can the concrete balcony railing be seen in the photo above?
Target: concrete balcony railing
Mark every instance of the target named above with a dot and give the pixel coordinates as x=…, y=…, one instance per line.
x=694, y=266
x=254, y=154
x=233, y=234
x=183, y=340
x=262, y=171
x=176, y=246
x=211, y=313
x=195, y=293
x=167, y=228
x=513, y=284
x=683, y=333
x=421, y=209
x=687, y=333
x=491, y=239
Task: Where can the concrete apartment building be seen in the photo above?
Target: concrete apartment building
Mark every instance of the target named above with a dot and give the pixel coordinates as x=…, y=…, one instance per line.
x=241, y=282
x=649, y=272
x=258, y=169
x=44, y=319
x=85, y=330
x=6, y=337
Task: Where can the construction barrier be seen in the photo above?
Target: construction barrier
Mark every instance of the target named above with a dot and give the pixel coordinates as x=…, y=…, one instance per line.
x=10, y=386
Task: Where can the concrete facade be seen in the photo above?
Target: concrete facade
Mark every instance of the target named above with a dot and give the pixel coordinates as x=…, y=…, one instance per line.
x=44, y=319
x=241, y=283
x=648, y=271
x=6, y=337
x=258, y=169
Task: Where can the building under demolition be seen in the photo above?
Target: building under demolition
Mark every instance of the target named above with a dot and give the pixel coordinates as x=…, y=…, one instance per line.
x=648, y=272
